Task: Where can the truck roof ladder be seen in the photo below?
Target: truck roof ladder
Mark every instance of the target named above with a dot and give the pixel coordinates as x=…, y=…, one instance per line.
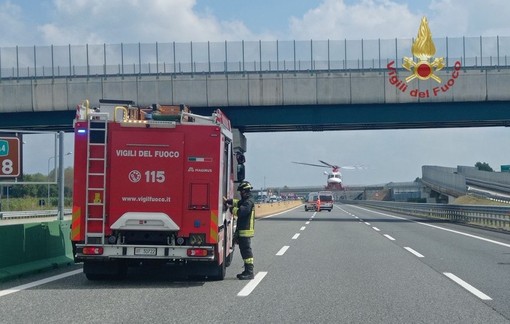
x=95, y=211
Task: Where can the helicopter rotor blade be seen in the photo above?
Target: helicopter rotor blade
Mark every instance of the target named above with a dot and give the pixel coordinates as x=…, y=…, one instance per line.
x=355, y=167
x=329, y=165
x=310, y=164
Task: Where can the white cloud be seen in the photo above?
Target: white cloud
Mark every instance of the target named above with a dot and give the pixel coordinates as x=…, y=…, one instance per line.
x=149, y=21
x=135, y=21
x=367, y=19
x=470, y=18
x=387, y=19
x=12, y=24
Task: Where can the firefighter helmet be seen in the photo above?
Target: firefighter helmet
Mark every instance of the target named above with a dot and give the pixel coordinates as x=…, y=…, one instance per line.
x=245, y=186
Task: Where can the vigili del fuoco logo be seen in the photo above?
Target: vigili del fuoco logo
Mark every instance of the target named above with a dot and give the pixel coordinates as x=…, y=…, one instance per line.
x=424, y=68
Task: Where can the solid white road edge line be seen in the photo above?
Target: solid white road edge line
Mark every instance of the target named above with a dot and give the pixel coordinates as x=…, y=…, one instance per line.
x=38, y=282
x=252, y=284
x=283, y=250
x=467, y=286
x=441, y=228
x=419, y=255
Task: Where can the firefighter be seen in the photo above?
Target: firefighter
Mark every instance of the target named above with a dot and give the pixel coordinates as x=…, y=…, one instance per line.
x=244, y=210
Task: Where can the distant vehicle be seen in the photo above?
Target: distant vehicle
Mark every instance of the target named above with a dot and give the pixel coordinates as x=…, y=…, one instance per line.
x=334, y=181
x=273, y=199
x=325, y=201
x=311, y=201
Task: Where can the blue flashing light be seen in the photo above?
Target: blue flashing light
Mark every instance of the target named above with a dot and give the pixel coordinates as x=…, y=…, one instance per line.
x=81, y=131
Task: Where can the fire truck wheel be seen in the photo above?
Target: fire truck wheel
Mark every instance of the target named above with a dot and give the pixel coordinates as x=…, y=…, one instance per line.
x=230, y=257
x=228, y=260
x=218, y=272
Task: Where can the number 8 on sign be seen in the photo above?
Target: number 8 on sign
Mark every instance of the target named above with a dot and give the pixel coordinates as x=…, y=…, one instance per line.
x=9, y=157
x=7, y=167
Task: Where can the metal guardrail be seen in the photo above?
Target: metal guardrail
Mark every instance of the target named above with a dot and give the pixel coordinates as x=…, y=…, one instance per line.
x=442, y=188
x=32, y=214
x=501, y=189
x=486, y=216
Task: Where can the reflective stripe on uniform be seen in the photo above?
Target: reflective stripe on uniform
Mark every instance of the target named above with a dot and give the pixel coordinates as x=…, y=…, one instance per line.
x=251, y=231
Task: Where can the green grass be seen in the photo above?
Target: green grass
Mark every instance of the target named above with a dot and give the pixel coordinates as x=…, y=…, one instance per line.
x=17, y=204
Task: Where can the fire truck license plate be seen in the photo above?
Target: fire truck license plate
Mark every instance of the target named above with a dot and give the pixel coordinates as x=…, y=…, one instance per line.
x=145, y=251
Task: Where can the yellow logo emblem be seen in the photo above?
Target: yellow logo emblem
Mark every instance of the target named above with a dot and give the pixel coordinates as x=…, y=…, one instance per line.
x=424, y=49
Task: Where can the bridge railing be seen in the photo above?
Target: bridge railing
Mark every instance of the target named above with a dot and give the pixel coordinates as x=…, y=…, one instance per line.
x=486, y=216
x=240, y=56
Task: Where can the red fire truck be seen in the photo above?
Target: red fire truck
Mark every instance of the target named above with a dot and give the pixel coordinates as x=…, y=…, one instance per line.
x=149, y=187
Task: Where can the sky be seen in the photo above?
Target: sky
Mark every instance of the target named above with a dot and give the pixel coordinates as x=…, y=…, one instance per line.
x=389, y=155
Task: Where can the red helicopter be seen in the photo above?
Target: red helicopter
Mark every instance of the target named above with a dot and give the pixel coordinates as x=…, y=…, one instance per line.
x=334, y=181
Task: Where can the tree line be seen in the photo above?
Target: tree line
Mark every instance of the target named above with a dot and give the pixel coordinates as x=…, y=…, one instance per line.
x=39, y=190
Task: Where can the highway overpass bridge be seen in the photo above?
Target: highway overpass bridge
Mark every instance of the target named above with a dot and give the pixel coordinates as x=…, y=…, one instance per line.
x=267, y=86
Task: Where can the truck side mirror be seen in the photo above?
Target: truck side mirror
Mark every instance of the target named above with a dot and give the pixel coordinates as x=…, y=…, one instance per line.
x=240, y=172
x=240, y=166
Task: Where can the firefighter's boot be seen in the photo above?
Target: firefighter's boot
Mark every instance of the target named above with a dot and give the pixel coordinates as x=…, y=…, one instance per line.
x=247, y=274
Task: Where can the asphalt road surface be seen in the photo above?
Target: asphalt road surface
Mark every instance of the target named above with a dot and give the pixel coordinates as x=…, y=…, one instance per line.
x=350, y=265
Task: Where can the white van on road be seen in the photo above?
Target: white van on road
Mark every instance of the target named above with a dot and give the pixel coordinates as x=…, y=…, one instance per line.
x=325, y=201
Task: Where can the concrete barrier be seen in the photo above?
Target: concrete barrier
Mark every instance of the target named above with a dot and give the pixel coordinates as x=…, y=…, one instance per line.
x=266, y=209
x=32, y=247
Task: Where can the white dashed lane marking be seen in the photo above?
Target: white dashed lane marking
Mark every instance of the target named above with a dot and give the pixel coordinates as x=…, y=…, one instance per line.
x=252, y=284
x=419, y=255
x=283, y=250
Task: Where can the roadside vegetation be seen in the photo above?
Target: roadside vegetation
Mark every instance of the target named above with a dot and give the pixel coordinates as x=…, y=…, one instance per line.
x=471, y=200
x=33, y=196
